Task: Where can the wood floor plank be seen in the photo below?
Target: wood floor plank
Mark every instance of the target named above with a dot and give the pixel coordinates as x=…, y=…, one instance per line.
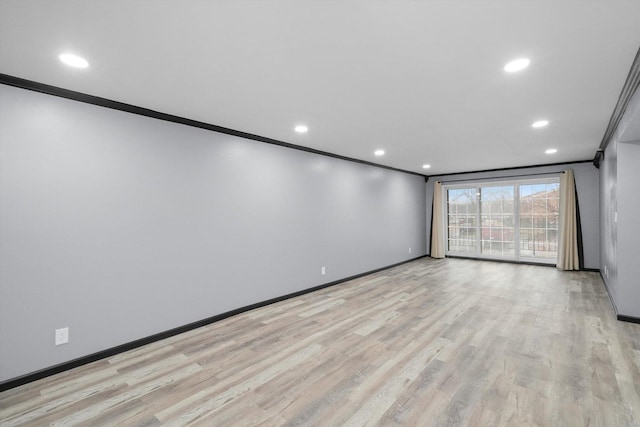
x=428, y=343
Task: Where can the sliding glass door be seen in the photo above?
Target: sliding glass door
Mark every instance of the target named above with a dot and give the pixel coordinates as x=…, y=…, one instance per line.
x=462, y=220
x=539, y=215
x=511, y=221
x=497, y=221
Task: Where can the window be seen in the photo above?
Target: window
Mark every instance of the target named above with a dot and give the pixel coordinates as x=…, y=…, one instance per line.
x=462, y=218
x=504, y=220
x=539, y=214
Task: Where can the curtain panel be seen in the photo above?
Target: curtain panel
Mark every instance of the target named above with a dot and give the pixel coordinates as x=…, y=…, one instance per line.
x=437, y=228
x=568, y=256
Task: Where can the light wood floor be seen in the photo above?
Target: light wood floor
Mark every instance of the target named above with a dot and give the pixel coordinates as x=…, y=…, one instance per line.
x=432, y=342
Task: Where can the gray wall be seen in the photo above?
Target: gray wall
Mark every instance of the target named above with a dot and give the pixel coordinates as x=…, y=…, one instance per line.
x=628, y=261
x=608, y=226
x=619, y=205
x=586, y=176
x=120, y=226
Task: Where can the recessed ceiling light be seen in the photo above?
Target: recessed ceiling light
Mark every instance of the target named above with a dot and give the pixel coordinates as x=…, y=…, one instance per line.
x=301, y=129
x=517, y=65
x=379, y=152
x=540, y=124
x=551, y=151
x=73, y=60
x=426, y=166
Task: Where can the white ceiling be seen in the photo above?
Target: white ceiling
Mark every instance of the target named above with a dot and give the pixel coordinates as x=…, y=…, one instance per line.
x=422, y=80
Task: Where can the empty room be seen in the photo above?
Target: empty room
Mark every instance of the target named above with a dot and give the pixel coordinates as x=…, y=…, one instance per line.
x=319, y=213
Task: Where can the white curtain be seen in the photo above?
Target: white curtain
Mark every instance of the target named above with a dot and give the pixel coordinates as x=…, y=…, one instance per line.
x=568, y=258
x=437, y=230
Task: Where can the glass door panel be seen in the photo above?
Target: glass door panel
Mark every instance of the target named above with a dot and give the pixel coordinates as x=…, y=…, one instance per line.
x=539, y=214
x=462, y=221
x=497, y=216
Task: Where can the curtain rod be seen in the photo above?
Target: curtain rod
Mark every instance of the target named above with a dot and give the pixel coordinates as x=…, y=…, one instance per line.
x=498, y=177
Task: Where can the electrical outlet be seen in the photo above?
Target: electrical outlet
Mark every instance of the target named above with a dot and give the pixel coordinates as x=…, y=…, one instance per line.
x=409, y=250
x=62, y=336
x=323, y=271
